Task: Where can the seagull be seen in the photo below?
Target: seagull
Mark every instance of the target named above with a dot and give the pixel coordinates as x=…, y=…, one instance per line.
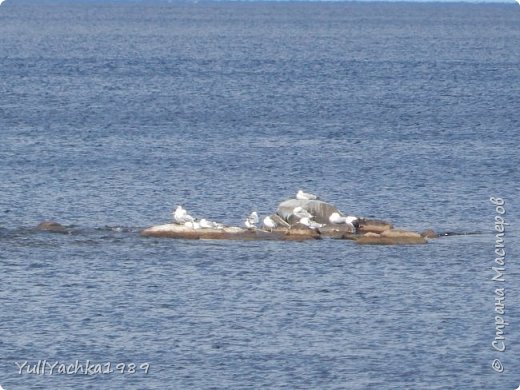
x=269, y=223
x=300, y=212
x=1, y=1
x=351, y=221
x=336, y=219
x=305, y=196
x=309, y=223
x=252, y=220
x=205, y=224
x=181, y=216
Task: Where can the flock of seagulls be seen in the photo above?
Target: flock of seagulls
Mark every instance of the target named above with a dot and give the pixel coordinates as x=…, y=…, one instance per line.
x=304, y=217
x=181, y=216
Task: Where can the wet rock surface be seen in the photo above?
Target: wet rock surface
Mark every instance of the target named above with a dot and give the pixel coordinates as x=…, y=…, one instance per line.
x=52, y=227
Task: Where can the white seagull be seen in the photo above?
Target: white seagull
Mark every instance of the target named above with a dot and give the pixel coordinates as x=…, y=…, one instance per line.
x=205, y=224
x=310, y=223
x=181, y=216
x=1, y=1
x=353, y=222
x=252, y=220
x=337, y=219
x=269, y=223
x=305, y=196
x=300, y=212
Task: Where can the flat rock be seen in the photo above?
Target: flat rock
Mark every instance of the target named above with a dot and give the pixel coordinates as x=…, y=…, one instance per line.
x=337, y=231
x=373, y=225
x=398, y=233
x=173, y=230
x=391, y=237
x=301, y=230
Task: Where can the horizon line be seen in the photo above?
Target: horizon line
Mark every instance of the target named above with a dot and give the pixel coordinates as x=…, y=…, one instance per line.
x=172, y=2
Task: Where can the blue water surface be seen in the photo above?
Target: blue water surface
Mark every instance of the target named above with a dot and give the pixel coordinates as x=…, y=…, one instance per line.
x=110, y=115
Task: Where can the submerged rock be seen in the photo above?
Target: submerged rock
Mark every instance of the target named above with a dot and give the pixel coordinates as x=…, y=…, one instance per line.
x=429, y=234
x=51, y=226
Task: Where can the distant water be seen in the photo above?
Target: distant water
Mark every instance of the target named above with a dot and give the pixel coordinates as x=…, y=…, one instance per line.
x=111, y=115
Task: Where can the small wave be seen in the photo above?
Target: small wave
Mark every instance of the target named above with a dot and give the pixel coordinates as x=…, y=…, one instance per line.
x=447, y=234
x=120, y=229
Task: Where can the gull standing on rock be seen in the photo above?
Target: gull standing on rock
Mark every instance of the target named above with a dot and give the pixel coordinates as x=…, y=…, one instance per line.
x=305, y=196
x=269, y=223
x=181, y=216
x=337, y=219
x=252, y=220
x=352, y=221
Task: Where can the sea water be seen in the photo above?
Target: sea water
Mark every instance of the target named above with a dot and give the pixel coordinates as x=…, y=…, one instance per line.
x=110, y=115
